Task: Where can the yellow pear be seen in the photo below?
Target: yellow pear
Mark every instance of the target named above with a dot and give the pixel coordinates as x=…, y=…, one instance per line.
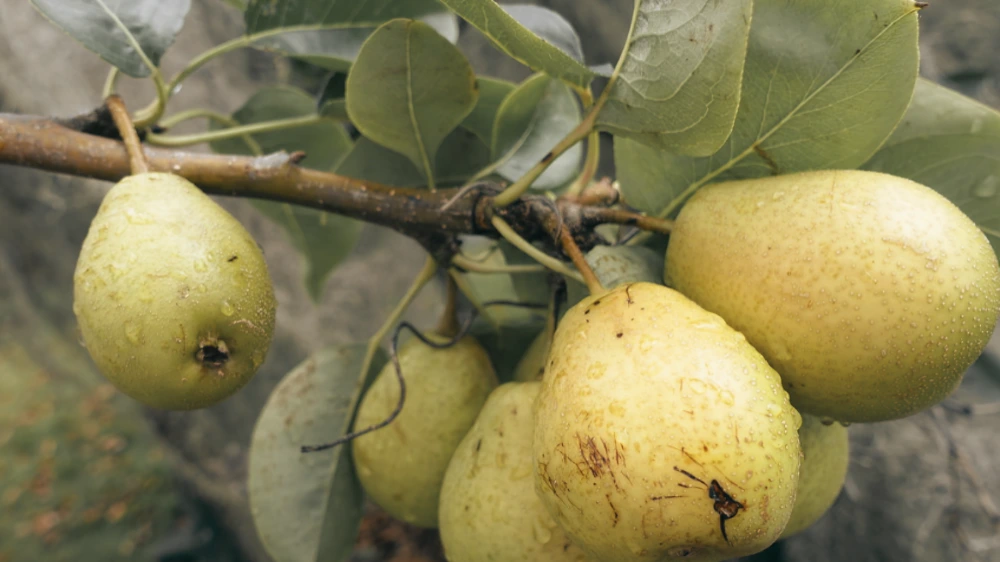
x=870, y=294
x=825, y=456
x=172, y=294
x=531, y=367
x=489, y=510
x=661, y=433
x=401, y=466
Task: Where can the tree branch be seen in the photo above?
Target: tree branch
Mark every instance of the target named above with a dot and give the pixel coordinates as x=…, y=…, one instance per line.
x=45, y=144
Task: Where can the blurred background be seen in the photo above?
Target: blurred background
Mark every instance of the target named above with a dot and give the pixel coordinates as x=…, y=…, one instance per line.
x=85, y=474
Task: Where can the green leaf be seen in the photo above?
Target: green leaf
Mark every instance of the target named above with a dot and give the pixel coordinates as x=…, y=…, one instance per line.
x=307, y=506
x=549, y=26
x=324, y=143
x=335, y=45
x=270, y=14
x=460, y=157
x=322, y=238
x=408, y=89
x=529, y=123
x=616, y=265
x=484, y=287
x=153, y=24
x=333, y=48
x=518, y=41
x=529, y=287
x=678, y=82
x=506, y=343
x=950, y=143
x=825, y=84
x=491, y=94
x=505, y=331
x=331, y=102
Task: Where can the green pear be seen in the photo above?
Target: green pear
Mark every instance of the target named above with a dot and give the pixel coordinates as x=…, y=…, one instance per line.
x=870, y=294
x=661, y=433
x=172, y=294
x=825, y=453
x=489, y=510
x=401, y=466
x=531, y=367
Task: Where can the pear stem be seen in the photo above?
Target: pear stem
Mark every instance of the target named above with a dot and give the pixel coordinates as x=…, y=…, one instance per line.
x=570, y=248
x=136, y=157
x=448, y=325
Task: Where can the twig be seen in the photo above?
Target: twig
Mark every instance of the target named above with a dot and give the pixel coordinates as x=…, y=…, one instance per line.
x=47, y=145
x=520, y=243
x=136, y=157
x=598, y=215
x=573, y=251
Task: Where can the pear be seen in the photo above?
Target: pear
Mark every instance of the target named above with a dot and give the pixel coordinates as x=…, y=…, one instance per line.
x=661, y=433
x=489, y=511
x=401, y=466
x=826, y=454
x=531, y=367
x=172, y=294
x=870, y=294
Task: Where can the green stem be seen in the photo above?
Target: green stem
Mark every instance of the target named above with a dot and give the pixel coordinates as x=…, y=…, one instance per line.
x=110, y=83
x=518, y=188
x=589, y=164
x=239, y=131
x=476, y=267
x=150, y=114
x=177, y=118
x=425, y=275
x=510, y=235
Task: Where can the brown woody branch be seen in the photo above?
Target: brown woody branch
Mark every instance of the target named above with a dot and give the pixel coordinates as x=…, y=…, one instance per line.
x=45, y=144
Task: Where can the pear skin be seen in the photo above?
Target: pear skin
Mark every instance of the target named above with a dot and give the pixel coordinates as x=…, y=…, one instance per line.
x=172, y=295
x=661, y=434
x=489, y=510
x=401, y=466
x=531, y=367
x=825, y=457
x=871, y=294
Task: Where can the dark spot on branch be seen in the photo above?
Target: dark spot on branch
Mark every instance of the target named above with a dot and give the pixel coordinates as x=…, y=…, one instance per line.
x=619, y=334
x=232, y=259
x=547, y=158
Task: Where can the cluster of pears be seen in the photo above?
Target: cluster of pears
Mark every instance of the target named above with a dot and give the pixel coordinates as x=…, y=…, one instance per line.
x=695, y=419
x=172, y=295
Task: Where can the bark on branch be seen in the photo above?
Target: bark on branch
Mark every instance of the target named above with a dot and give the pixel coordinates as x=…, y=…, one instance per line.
x=44, y=144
